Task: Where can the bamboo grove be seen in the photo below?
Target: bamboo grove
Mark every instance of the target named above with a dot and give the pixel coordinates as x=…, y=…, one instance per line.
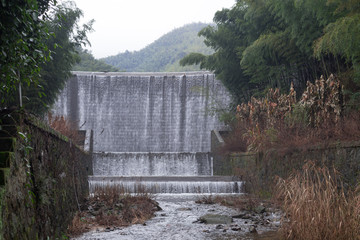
x=262, y=44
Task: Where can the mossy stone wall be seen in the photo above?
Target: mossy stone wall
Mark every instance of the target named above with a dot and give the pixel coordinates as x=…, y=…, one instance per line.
x=45, y=184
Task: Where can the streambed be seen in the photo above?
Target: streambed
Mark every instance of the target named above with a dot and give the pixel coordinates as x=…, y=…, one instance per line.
x=179, y=221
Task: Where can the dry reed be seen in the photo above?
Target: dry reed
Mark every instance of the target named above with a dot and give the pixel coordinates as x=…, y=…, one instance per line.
x=316, y=206
x=280, y=122
x=63, y=126
x=110, y=207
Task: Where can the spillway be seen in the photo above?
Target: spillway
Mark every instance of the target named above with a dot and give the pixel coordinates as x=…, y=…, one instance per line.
x=149, y=124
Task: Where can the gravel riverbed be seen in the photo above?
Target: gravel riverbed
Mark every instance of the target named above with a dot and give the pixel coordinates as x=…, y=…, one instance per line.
x=180, y=219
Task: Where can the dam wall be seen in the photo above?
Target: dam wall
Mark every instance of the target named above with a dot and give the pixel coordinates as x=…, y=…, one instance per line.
x=145, y=112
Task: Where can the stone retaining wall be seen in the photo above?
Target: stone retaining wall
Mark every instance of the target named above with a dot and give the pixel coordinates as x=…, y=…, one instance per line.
x=44, y=178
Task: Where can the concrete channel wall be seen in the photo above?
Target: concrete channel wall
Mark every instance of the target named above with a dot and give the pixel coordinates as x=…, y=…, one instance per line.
x=261, y=168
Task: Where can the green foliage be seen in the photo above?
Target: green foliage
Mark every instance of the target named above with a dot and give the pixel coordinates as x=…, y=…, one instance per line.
x=342, y=38
x=261, y=60
x=66, y=37
x=262, y=44
x=87, y=62
x=163, y=54
x=193, y=59
x=37, y=50
x=22, y=44
x=235, y=29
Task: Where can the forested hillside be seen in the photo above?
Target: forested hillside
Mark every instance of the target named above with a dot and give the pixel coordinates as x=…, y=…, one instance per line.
x=87, y=62
x=272, y=43
x=163, y=54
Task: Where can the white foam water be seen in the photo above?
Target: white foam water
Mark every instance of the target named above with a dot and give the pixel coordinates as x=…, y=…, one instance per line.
x=172, y=187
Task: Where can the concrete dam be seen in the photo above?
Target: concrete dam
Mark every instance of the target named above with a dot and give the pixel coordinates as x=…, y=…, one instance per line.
x=148, y=125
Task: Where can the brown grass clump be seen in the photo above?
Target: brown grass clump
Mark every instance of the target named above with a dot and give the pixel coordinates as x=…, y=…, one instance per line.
x=64, y=126
x=110, y=207
x=78, y=225
x=108, y=194
x=317, y=207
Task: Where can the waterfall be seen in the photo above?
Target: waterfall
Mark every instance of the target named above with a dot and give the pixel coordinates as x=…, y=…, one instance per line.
x=147, y=124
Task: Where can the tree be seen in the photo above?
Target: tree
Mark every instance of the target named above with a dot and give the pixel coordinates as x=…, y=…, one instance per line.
x=341, y=38
x=262, y=44
x=227, y=39
x=22, y=44
x=66, y=37
x=87, y=62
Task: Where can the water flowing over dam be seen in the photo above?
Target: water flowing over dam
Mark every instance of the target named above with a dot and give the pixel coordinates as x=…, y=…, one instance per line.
x=152, y=164
x=148, y=124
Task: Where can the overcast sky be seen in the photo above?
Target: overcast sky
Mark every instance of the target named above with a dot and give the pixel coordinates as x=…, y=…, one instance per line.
x=122, y=25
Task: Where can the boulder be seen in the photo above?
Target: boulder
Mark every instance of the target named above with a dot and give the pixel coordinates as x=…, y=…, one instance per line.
x=260, y=209
x=215, y=219
x=184, y=209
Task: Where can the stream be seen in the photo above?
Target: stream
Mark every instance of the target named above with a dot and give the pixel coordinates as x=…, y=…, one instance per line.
x=179, y=221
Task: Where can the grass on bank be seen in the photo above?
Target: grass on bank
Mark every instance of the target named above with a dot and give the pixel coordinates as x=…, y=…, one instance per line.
x=316, y=206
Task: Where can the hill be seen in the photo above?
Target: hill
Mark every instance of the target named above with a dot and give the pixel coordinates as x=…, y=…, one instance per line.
x=164, y=54
x=87, y=62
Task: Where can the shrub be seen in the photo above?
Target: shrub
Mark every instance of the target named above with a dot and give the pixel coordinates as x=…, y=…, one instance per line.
x=280, y=122
x=111, y=207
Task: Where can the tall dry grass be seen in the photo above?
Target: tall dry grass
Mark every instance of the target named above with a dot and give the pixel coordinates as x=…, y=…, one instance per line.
x=316, y=206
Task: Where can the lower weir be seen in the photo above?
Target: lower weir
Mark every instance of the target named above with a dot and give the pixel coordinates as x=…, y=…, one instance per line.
x=169, y=184
x=151, y=130
x=163, y=172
